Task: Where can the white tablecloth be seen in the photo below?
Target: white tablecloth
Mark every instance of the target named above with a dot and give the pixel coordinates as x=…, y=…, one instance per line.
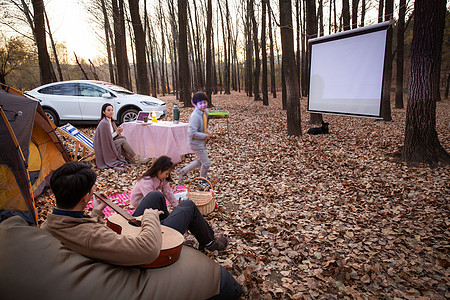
x=156, y=139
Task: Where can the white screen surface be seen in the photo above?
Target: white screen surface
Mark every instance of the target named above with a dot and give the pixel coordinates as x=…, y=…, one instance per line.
x=346, y=75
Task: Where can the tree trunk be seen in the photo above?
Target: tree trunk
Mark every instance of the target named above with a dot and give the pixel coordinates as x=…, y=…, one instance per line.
x=120, y=43
x=208, y=53
x=355, y=4
x=142, y=82
x=257, y=70
x=380, y=10
x=249, y=52
x=386, y=98
x=108, y=43
x=152, y=60
x=298, y=65
x=421, y=140
x=400, y=54
x=346, y=14
x=311, y=28
x=264, y=55
x=447, y=86
x=58, y=66
x=45, y=67
x=228, y=64
x=184, y=77
x=292, y=90
x=162, y=24
x=304, y=69
x=320, y=17
x=80, y=66
x=273, y=87
x=363, y=12
x=93, y=71
x=173, y=24
x=226, y=79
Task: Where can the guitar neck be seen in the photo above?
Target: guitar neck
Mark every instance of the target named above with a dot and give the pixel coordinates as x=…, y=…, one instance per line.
x=116, y=208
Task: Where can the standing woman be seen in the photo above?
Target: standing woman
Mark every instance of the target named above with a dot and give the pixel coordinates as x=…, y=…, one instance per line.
x=110, y=147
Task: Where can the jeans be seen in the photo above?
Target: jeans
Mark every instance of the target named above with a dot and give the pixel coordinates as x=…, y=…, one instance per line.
x=202, y=162
x=185, y=216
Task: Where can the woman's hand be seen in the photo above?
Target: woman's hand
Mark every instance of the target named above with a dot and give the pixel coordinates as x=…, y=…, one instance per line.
x=119, y=130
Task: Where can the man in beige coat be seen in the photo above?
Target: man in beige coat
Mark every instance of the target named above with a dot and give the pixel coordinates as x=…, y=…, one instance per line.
x=73, y=186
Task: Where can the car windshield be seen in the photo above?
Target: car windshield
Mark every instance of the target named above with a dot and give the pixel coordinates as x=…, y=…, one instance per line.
x=118, y=89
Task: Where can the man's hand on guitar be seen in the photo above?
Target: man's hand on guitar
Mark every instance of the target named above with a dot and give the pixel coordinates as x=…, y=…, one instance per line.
x=98, y=204
x=155, y=212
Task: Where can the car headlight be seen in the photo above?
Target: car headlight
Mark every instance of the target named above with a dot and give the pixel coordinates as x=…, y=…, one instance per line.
x=148, y=103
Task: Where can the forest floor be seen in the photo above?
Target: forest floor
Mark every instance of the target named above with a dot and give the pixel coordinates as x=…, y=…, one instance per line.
x=319, y=217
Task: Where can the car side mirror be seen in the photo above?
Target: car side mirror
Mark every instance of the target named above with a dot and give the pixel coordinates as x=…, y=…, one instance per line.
x=107, y=95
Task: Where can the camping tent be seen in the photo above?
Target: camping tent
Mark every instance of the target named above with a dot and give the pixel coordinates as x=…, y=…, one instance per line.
x=30, y=151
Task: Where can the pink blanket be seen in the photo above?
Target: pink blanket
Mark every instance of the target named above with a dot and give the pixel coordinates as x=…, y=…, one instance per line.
x=123, y=200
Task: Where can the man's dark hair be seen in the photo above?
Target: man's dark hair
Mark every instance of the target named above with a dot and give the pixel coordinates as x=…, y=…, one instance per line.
x=200, y=96
x=71, y=182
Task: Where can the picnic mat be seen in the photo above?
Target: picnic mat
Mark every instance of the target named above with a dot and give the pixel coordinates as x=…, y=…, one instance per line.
x=123, y=200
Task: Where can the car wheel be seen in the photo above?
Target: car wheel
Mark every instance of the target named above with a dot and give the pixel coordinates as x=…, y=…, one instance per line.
x=52, y=116
x=129, y=115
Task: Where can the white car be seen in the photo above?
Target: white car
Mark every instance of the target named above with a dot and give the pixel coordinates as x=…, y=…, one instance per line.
x=80, y=101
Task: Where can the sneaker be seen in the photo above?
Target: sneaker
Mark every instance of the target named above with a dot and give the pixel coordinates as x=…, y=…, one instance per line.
x=219, y=243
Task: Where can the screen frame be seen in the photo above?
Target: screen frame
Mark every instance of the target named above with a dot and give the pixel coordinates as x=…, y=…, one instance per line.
x=343, y=35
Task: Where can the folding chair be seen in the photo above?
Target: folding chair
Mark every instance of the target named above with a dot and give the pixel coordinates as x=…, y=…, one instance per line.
x=83, y=143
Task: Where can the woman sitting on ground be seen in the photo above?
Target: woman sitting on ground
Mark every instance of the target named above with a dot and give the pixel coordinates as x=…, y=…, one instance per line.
x=151, y=191
x=111, y=148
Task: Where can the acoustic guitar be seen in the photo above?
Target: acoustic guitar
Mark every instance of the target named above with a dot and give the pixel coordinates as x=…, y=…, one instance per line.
x=124, y=223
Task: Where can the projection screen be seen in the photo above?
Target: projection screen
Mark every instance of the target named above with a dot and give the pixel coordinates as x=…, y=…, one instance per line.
x=346, y=75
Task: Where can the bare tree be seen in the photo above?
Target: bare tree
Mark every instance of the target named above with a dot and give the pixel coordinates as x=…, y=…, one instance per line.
x=108, y=39
x=421, y=140
x=184, y=74
x=346, y=14
x=311, y=28
x=363, y=12
x=13, y=55
x=292, y=90
x=386, y=99
x=257, y=70
x=264, y=54
x=142, y=83
x=249, y=50
x=120, y=44
x=380, y=10
x=41, y=43
x=209, y=77
x=400, y=54
x=320, y=18
x=355, y=4
x=55, y=54
x=273, y=88
x=81, y=67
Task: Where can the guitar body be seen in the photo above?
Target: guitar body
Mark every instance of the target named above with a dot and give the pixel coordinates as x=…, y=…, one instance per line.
x=172, y=240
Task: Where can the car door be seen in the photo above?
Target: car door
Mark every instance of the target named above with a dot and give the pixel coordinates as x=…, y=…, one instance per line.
x=91, y=101
x=63, y=99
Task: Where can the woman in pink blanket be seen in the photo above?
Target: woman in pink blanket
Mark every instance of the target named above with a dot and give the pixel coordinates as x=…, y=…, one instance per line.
x=111, y=148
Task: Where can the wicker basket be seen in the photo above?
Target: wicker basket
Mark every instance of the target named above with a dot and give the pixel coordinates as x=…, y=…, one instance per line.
x=203, y=199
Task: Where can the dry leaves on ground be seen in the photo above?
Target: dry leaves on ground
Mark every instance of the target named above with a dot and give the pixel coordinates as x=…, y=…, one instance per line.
x=328, y=216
